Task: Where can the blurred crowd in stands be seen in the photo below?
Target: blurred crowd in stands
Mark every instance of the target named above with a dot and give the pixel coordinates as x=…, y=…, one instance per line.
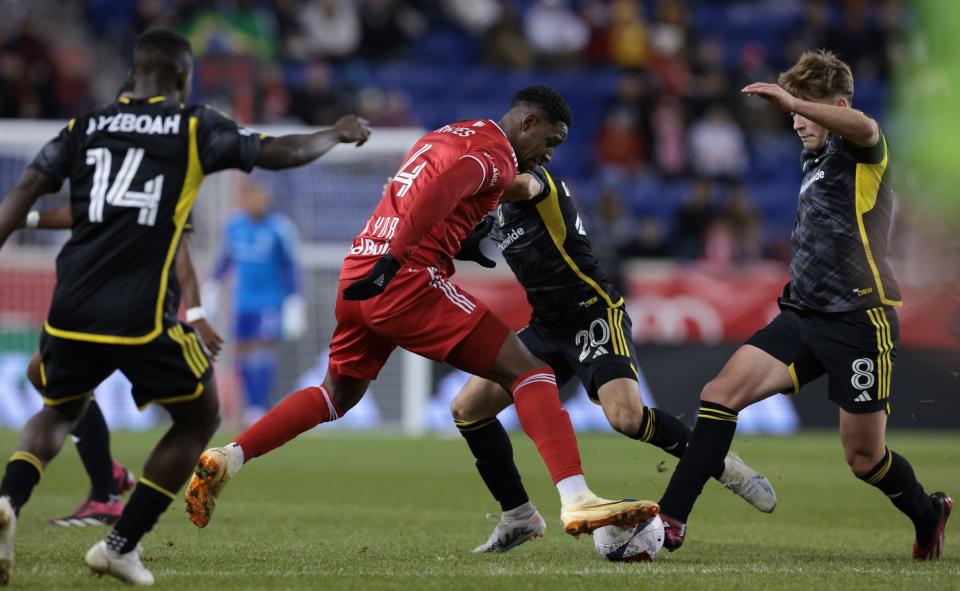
x=665, y=154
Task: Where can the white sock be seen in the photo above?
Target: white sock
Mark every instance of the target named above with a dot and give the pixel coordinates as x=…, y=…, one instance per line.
x=522, y=512
x=572, y=488
x=234, y=458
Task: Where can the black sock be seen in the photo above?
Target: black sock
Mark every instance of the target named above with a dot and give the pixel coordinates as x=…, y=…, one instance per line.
x=23, y=473
x=146, y=505
x=93, y=445
x=666, y=432
x=709, y=444
x=894, y=476
x=491, y=447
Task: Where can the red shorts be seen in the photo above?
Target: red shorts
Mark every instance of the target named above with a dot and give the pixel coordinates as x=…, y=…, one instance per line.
x=420, y=311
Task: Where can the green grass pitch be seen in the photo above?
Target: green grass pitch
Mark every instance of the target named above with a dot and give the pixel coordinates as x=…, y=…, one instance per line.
x=345, y=512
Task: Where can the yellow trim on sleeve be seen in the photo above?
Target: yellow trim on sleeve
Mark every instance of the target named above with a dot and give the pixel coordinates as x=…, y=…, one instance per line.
x=867, y=189
x=174, y=399
x=158, y=488
x=188, y=194
x=71, y=123
x=549, y=210
x=43, y=376
x=156, y=99
x=124, y=100
x=29, y=458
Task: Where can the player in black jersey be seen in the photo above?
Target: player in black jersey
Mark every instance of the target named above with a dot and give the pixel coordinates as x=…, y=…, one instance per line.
x=135, y=168
x=837, y=311
x=580, y=329
x=108, y=478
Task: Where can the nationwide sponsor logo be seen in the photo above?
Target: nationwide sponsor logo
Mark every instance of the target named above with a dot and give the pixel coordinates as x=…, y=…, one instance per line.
x=510, y=238
x=817, y=176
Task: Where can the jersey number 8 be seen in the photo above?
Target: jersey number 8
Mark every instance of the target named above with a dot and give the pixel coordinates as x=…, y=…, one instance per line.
x=118, y=193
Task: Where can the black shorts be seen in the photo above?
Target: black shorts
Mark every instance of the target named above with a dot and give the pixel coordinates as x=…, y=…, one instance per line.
x=855, y=350
x=593, y=344
x=171, y=368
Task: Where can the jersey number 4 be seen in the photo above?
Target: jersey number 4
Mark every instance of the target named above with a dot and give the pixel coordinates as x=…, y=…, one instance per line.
x=118, y=192
x=406, y=177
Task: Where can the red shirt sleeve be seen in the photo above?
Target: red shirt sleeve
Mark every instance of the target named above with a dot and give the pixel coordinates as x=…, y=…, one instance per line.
x=435, y=201
x=498, y=169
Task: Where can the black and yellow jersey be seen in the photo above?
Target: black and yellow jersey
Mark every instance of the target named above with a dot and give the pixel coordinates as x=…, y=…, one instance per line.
x=546, y=246
x=134, y=169
x=840, y=237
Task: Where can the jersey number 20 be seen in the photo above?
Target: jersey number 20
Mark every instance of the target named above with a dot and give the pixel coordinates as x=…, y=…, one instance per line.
x=118, y=192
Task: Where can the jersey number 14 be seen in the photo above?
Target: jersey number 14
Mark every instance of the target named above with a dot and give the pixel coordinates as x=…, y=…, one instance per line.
x=118, y=192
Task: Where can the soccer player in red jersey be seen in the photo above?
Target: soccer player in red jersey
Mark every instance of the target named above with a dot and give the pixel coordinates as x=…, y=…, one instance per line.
x=395, y=292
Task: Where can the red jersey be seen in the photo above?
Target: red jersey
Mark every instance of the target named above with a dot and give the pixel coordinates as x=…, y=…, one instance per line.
x=421, y=218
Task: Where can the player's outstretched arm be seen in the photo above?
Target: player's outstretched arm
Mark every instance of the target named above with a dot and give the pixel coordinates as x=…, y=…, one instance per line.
x=196, y=317
x=434, y=202
x=289, y=151
x=17, y=202
x=850, y=124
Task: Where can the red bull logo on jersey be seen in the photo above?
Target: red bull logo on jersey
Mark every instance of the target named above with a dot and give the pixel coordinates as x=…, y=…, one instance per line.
x=130, y=123
x=376, y=235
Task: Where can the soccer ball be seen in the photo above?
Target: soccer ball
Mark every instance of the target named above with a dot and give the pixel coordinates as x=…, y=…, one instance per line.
x=639, y=543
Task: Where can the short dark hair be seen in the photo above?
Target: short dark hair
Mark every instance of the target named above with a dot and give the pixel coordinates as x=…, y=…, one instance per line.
x=161, y=49
x=818, y=74
x=547, y=100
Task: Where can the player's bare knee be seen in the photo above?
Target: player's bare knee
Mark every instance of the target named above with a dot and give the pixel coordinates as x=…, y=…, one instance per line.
x=863, y=459
x=860, y=462
x=460, y=410
x=626, y=422
x=723, y=391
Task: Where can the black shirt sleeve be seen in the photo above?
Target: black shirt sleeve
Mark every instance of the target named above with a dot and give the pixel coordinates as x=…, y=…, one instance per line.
x=223, y=144
x=56, y=158
x=541, y=174
x=871, y=155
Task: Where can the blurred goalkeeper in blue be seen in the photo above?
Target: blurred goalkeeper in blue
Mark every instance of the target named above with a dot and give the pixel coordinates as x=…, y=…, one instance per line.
x=260, y=247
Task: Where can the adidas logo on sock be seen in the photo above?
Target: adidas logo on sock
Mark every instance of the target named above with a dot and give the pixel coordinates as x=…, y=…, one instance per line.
x=863, y=397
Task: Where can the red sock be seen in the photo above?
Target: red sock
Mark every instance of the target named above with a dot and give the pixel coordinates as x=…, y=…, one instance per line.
x=301, y=411
x=537, y=400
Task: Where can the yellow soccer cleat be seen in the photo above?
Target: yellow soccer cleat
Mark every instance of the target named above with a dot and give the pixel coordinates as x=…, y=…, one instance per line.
x=209, y=478
x=594, y=512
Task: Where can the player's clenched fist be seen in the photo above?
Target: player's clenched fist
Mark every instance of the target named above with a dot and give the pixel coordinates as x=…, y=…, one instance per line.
x=352, y=129
x=376, y=280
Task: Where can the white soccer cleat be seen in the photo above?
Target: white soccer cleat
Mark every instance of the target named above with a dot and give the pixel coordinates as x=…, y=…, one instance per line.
x=126, y=567
x=749, y=484
x=511, y=532
x=8, y=529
